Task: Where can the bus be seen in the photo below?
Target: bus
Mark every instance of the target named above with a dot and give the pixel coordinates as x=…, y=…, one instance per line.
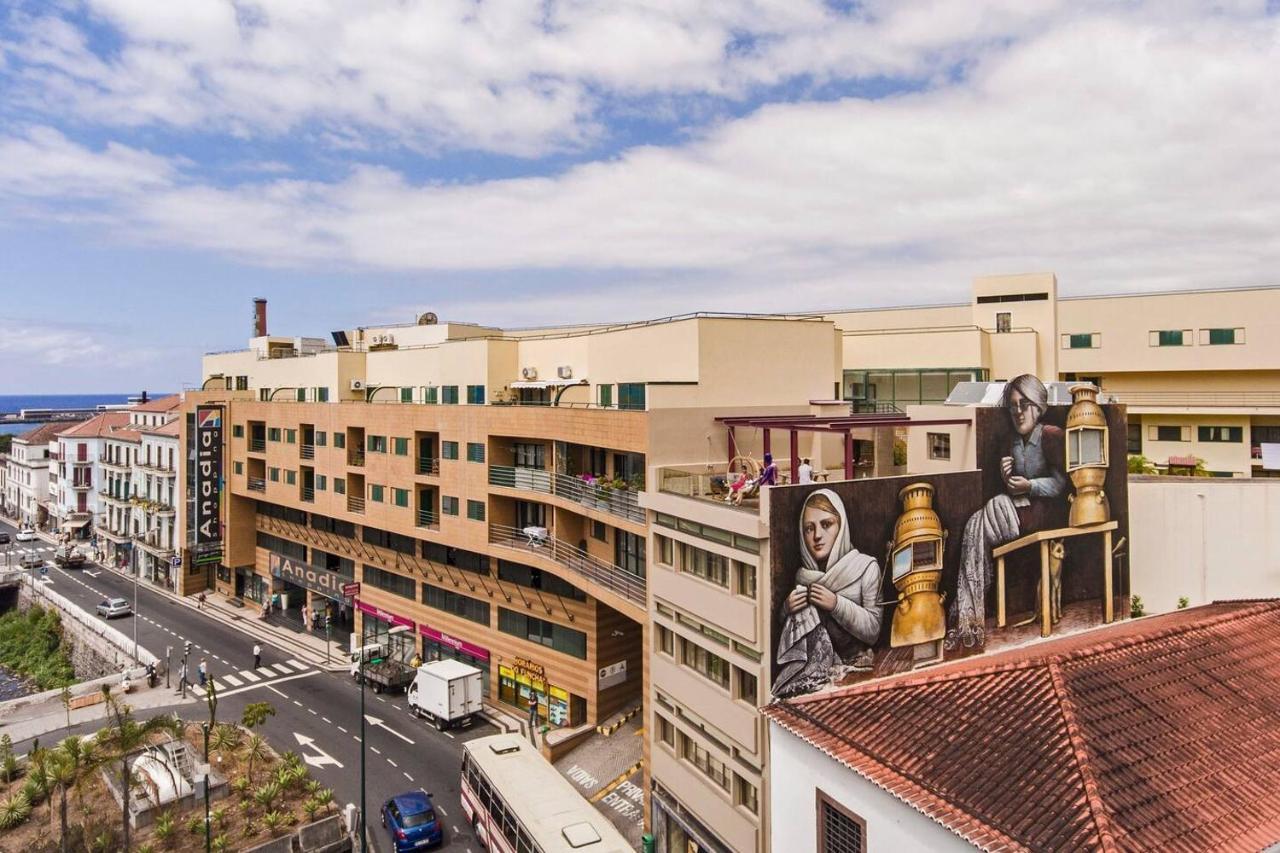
x=518, y=803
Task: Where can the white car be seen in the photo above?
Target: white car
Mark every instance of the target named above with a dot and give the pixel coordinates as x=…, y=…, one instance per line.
x=109, y=608
x=26, y=534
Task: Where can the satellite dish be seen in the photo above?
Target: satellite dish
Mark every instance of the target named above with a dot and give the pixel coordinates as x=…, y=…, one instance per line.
x=428, y=319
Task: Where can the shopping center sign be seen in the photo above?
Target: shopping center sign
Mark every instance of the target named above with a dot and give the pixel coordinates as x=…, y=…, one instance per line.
x=309, y=577
x=208, y=484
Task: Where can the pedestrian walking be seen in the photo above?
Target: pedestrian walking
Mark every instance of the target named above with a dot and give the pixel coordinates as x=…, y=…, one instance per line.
x=200, y=601
x=257, y=656
x=182, y=677
x=306, y=618
x=204, y=671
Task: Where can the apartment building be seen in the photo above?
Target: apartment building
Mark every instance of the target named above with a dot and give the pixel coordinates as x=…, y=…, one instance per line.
x=492, y=492
x=1198, y=370
x=26, y=495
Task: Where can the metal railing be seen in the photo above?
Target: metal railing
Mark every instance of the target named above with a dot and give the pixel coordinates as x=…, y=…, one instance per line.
x=427, y=518
x=605, y=574
x=355, y=504
x=257, y=484
x=528, y=479
x=257, y=445
x=428, y=465
x=623, y=503
x=308, y=494
x=355, y=458
x=307, y=451
x=1241, y=399
x=81, y=485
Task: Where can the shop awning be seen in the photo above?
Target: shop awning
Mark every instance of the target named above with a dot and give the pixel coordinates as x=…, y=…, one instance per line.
x=75, y=524
x=547, y=383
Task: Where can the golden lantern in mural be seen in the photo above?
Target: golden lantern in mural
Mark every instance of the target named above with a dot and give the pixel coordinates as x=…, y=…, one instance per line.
x=916, y=562
x=1087, y=440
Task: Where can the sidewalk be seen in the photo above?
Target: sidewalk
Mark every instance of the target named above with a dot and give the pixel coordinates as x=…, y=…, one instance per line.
x=39, y=718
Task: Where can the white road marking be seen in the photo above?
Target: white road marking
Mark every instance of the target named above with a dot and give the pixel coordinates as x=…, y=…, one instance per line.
x=277, y=681
x=374, y=721
x=296, y=665
x=450, y=736
x=296, y=702
x=279, y=693
x=249, y=675
x=280, y=668
x=442, y=811
x=327, y=720
x=319, y=760
x=375, y=749
x=407, y=776
x=312, y=711
x=340, y=728
x=230, y=679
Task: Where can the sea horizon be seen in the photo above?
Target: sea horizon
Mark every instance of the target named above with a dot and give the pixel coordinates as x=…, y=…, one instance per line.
x=13, y=403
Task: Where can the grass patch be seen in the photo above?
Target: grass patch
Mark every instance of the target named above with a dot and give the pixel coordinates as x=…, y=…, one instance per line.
x=31, y=646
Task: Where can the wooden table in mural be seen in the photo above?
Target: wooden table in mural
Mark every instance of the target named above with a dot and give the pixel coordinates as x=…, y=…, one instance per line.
x=1044, y=537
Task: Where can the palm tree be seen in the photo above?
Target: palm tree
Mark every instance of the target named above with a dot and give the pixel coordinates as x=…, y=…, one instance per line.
x=255, y=749
x=256, y=713
x=225, y=739
x=64, y=772
x=125, y=738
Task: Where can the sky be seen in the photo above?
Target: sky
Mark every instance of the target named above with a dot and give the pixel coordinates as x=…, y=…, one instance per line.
x=525, y=163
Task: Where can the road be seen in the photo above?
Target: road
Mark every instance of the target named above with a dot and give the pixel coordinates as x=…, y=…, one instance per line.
x=317, y=712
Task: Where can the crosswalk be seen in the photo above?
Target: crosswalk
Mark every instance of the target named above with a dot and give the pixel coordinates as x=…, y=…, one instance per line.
x=262, y=674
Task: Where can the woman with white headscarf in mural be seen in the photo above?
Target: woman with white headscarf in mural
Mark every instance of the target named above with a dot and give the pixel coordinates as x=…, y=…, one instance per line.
x=1033, y=487
x=831, y=617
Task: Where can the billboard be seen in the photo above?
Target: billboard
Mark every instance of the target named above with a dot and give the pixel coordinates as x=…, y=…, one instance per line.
x=208, y=484
x=875, y=577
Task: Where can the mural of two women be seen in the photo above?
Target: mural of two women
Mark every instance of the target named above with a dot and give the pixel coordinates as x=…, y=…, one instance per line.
x=831, y=618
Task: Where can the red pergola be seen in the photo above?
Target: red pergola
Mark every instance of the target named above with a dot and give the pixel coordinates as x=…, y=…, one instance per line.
x=846, y=424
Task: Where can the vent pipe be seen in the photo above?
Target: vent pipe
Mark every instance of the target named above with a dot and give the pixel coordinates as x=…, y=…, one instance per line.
x=259, y=317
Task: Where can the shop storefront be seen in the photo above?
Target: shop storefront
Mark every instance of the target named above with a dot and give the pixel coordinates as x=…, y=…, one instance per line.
x=252, y=586
x=437, y=645
x=315, y=590
x=376, y=625
x=526, y=681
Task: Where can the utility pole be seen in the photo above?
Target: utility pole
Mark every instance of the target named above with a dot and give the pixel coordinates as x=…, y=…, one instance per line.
x=363, y=838
x=208, y=823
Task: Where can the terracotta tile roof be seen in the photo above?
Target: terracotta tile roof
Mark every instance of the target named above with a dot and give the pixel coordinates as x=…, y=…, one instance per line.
x=170, y=428
x=1159, y=733
x=45, y=433
x=97, y=426
x=160, y=404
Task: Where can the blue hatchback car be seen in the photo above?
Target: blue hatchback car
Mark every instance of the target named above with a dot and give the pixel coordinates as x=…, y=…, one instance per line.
x=411, y=820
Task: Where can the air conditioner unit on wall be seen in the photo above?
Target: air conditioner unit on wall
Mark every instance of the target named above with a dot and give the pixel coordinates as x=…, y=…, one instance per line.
x=357, y=384
x=564, y=371
x=529, y=372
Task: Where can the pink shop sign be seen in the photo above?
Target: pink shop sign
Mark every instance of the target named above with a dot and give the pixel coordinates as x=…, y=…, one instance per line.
x=385, y=615
x=453, y=642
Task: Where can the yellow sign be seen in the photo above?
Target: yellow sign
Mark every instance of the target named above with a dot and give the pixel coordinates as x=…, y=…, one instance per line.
x=536, y=670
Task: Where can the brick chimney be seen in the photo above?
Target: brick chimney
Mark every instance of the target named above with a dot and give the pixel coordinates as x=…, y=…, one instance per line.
x=259, y=317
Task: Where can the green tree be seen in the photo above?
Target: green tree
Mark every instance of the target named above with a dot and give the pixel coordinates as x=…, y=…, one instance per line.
x=255, y=750
x=126, y=737
x=256, y=713
x=1139, y=464
x=63, y=774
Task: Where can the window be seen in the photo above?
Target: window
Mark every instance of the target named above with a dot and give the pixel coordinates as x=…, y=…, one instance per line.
x=839, y=830
x=291, y=436
x=321, y=482
x=376, y=493
x=631, y=395
x=449, y=505
x=939, y=445
x=300, y=395
x=545, y=633
x=666, y=641
x=599, y=531
x=273, y=434
x=1232, y=434
x=747, y=686
x=1169, y=338
x=745, y=794
x=400, y=446
x=459, y=605
x=339, y=486
x=1170, y=433
x=605, y=395
x=475, y=451
x=628, y=551
x=1087, y=340
x=322, y=438
x=666, y=731
x=448, y=450
x=339, y=440
x=322, y=394
x=400, y=497
x=264, y=395
x=273, y=474
x=475, y=510
x=376, y=443
x=475, y=395
x=697, y=755
x=239, y=467
x=430, y=394
x=237, y=431
x=242, y=383
x=746, y=579
x=537, y=579
x=1220, y=337
x=406, y=395
x=710, y=665
x=1004, y=321
x=449, y=395
x=704, y=564
x=666, y=551
x=530, y=455
x=390, y=541
x=390, y=581
x=1133, y=438
x=291, y=477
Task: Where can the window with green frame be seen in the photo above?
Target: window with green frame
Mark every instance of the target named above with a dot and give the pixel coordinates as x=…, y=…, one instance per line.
x=631, y=395
x=339, y=486
x=376, y=493
x=300, y=395
x=1220, y=337
x=291, y=476
x=475, y=451
x=430, y=394
x=406, y=395
x=1082, y=340
x=321, y=481
x=449, y=505
x=376, y=443
x=291, y=436
x=239, y=467
x=475, y=395
x=475, y=510
x=273, y=474
x=400, y=497
x=400, y=445
x=1169, y=338
x=605, y=395
x=339, y=440
x=449, y=395
x=448, y=450
x=273, y=434
x=237, y=431
x=322, y=394
x=1233, y=434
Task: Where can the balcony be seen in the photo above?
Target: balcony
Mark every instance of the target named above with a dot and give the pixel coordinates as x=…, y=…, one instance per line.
x=618, y=501
x=605, y=574
x=307, y=451
x=308, y=495
x=81, y=485
x=355, y=504
x=152, y=543
x=257, y=484
x=355, y=458
x=526, y=479
x=113, y=462
x=707, y=483
x=427, y=518
x=427, y=465
x=1196, y=399
x=257, y=445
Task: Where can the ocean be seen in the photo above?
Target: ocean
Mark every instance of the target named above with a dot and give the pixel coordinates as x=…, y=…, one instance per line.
x=16, y=402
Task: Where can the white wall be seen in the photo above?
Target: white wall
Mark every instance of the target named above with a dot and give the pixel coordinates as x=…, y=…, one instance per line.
x=1205, y=539
x=799, y=771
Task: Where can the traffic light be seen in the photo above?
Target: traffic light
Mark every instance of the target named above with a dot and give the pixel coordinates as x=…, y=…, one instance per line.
x=186, y=649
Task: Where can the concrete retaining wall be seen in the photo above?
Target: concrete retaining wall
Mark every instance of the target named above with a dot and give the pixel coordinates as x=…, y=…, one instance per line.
x=97, y=648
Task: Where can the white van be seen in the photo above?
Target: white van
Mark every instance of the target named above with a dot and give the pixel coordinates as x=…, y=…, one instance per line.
x=447, y=692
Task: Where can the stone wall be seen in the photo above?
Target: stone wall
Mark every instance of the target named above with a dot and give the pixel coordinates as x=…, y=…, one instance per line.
x=97, y=649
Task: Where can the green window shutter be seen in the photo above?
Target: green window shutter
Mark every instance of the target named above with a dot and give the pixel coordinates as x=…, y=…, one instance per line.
x=237, y=431
x=320, y=482
x=301, y=395
x=401, y=446
x=401, y=497
x=431, y=395
x=449, y=395
x=448, y=450
x=339, y=440
x=475, y=510
x=1084, y=341
x=339, y=486
x=606, y=396
x=239, y=467
x=375, y=494
x=1171, y=338
x=291, y=436
x=475, y=452
x=322, y=395
x=449, y=505
x=475, y=395
x=291, y=477
x=406, y=395
x=1222, y=336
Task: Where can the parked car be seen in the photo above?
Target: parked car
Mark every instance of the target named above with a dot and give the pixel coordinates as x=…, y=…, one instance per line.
x=411, y=820
x=25, y=534
x=69, y=558
x=31, y=561
x=109, y=608
x=4, y=538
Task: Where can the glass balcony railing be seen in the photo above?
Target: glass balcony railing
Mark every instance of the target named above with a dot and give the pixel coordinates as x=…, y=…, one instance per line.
x=622, y=502
x=541, y=542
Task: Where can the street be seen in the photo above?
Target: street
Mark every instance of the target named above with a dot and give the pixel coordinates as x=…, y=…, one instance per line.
x=317, y=712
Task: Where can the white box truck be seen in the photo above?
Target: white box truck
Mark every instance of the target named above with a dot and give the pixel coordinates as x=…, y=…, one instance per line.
x=447, y=693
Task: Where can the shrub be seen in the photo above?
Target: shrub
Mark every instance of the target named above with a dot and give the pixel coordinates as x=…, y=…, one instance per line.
x=272, y=821
x=104, y=842
x=164, y=827
x=266, y=795
x=195, y=825
x=250, y=828
x=1183, y=602
x=310, y=808
x=220, y=843
x=1136, y=607
x=14, y=811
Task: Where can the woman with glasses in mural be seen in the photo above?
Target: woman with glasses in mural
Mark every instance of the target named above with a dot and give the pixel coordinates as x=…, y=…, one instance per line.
x=1033, y=483
x=831, y=616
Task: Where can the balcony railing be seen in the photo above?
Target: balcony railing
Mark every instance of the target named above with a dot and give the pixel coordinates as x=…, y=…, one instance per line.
x=427, y=518
x=355, y=504
x=605, y=574
x=355, y=458
x=112, y=462
x=308, y=494
x=307, y=451
x=428, y=465
x=81, y=485
x=257, y=484
x=257, y=445
x=624, y=503
x=1194, y=399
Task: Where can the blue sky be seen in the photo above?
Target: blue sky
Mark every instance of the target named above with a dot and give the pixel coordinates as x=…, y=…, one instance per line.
x=547, y=162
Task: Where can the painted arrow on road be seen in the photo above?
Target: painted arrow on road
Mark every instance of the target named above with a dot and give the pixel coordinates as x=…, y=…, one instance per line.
x=319, y=760
x=374, y=721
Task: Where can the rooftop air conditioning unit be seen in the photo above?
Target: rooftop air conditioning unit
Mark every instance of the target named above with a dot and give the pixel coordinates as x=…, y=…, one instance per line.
x=564, y=371
x=529, y=372
x=388, y=339
x=357, y=384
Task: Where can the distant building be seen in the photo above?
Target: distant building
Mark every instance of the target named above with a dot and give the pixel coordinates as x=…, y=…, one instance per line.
x=26, y=495
x=1153, y=734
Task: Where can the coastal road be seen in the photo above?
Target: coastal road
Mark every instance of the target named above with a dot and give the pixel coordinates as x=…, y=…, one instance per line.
x=317, y=712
